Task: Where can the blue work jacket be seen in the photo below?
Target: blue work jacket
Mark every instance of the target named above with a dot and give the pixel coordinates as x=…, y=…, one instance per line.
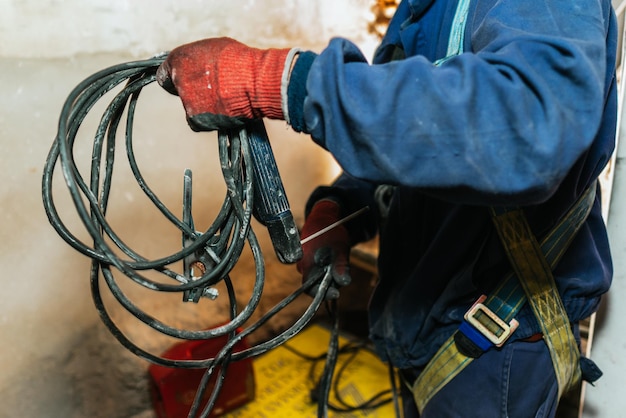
x=524, y=116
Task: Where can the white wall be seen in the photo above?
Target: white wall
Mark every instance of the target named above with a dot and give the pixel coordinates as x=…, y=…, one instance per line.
x=607, y=342
x=56, y=358
x=57, y=28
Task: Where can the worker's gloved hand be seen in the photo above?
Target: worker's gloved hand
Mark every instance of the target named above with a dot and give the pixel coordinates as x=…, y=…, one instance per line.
x=222, y=82
x=332, y=248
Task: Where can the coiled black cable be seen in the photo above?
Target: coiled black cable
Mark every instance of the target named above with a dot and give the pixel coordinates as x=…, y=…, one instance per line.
x=222, y=242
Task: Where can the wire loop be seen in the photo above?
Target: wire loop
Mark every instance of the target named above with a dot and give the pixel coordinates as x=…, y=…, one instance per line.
x=222, y=243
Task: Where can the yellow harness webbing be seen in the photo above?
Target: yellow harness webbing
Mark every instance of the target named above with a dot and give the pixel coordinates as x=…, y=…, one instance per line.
x=535, y=276
x=532, y=264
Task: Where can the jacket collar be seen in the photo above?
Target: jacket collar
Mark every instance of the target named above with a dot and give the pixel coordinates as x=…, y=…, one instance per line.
x=416, y=8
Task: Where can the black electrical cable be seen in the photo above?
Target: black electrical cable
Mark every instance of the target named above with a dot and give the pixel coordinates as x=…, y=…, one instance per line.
x=222, y=242
x=325, y=383
x=350, y=349
x=394, y=389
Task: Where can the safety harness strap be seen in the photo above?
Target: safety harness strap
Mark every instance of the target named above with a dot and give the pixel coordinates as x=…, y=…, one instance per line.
x=532, y=273
x=536, y=278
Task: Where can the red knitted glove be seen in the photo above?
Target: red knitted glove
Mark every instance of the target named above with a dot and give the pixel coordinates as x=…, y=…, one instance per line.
x=331, y=248
x=222, y=82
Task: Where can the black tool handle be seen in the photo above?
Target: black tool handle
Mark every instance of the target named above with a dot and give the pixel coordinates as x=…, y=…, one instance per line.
x=270, y=200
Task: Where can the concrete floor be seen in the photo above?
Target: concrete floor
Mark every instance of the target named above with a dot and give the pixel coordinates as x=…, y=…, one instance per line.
x=57, y=359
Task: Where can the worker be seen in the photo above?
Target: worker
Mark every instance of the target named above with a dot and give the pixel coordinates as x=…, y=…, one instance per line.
x=470, y=110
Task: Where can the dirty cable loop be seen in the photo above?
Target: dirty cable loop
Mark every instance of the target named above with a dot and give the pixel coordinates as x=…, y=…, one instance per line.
x=213, y=253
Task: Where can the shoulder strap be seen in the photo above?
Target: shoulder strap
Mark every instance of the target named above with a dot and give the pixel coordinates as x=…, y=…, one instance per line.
x=535, y=276
x=511, y=295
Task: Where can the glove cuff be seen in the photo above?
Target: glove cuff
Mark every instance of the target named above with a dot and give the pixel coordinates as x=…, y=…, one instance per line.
x=296, y=90
x=256, y=75
x=284, y=82
x=267, y=100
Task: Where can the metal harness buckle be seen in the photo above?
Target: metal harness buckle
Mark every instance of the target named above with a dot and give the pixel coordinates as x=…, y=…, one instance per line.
x=489, y=324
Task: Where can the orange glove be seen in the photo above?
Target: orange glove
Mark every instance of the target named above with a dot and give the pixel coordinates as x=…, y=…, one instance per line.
x=222, y=82
x=331, y=248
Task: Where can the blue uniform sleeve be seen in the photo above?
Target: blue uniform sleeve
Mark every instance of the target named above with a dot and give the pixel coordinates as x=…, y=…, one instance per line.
x=504, y=122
